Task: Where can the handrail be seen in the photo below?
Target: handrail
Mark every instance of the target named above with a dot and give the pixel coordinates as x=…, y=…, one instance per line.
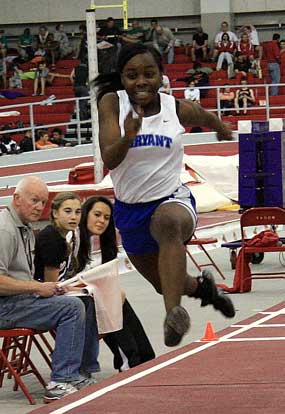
x=267, y=107
x=31, y=105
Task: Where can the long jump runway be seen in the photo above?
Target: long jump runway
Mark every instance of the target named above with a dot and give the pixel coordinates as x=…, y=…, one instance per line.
x=243, y=372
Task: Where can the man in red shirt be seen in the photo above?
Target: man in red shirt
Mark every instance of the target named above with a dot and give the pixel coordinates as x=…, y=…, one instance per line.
x=273, y=59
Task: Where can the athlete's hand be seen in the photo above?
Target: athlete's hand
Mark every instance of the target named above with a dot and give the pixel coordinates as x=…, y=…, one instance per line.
x=224, y=133
x=133, y=123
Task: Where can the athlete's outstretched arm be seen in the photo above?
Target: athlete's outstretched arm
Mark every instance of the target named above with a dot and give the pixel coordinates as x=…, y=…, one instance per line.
x=192, y=114
x=113, y=146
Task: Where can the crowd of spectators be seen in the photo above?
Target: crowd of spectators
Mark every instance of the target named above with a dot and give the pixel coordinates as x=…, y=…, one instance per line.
x=240, y=53
x=43, y=140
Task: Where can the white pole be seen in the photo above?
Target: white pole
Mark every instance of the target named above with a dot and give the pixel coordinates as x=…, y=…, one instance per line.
x=93, y=72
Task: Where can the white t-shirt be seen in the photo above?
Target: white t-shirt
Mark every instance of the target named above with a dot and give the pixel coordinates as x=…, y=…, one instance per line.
x=192, y=94
x=253, y=37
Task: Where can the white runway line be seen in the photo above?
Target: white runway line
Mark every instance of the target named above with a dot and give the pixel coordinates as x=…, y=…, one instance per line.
x=109, y=388
x=269, y=338
x=269, y=325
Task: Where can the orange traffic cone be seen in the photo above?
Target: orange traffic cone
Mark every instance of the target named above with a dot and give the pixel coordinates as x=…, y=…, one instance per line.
x=209, y=334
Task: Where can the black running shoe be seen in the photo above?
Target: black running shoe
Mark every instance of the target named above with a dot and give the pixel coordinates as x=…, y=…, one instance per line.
x=209, y=294
x=176, y=324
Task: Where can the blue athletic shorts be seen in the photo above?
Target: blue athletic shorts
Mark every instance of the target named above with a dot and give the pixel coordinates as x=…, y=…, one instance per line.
x=133, y=220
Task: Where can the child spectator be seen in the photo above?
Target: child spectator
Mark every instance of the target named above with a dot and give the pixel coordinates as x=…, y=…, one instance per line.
x=192, y=93
x=40, y=77
x=226, y=99
x=26, y=144
x=15, y=80
x=42, y=141
x=40, y=54
x=244, y=97
x=8, y=145
x=58, y=138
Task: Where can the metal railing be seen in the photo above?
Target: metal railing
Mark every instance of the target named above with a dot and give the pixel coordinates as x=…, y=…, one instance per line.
x=266, y=97
x=33, y=126
x=77, y=123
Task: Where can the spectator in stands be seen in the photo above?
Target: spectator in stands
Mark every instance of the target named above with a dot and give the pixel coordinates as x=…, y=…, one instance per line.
x=130, y=346
x=55, y=261
x=163, y=40
x=80, y=86
x=26, y=144
x=244, y=97
x=226, y=49
x=200, y=75
x=15, y=80
x=282, y=47
x=165, y=87
x=3, y=69
x=199, y=45
x=25, y=302
x=58, y=138
x=42, y=141
x=52, y=49
x=149, y=34
x=39, y=54
x=111, y=33
x=241, y=65
x=41, y=76
x=25, y=45
x=218, y=38
x=81, y=49
x=136, y=34
x=246, y=48
x=7, y=144
x=3, y=43
x=251, y=31
x=226, y=97
x=273, y=62
x=42, y=36
x=192, y=93
x=61, y=37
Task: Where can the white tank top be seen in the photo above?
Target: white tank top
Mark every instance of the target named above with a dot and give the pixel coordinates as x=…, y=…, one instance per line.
x=152, y=166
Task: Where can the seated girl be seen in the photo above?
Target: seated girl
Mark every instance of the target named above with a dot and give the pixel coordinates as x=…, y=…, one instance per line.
x=55, y=260
x=130, y=346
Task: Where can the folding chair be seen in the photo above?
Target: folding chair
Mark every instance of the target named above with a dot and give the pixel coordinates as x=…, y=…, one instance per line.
x=195, y=241
x=254, y=217
x=15, y=360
